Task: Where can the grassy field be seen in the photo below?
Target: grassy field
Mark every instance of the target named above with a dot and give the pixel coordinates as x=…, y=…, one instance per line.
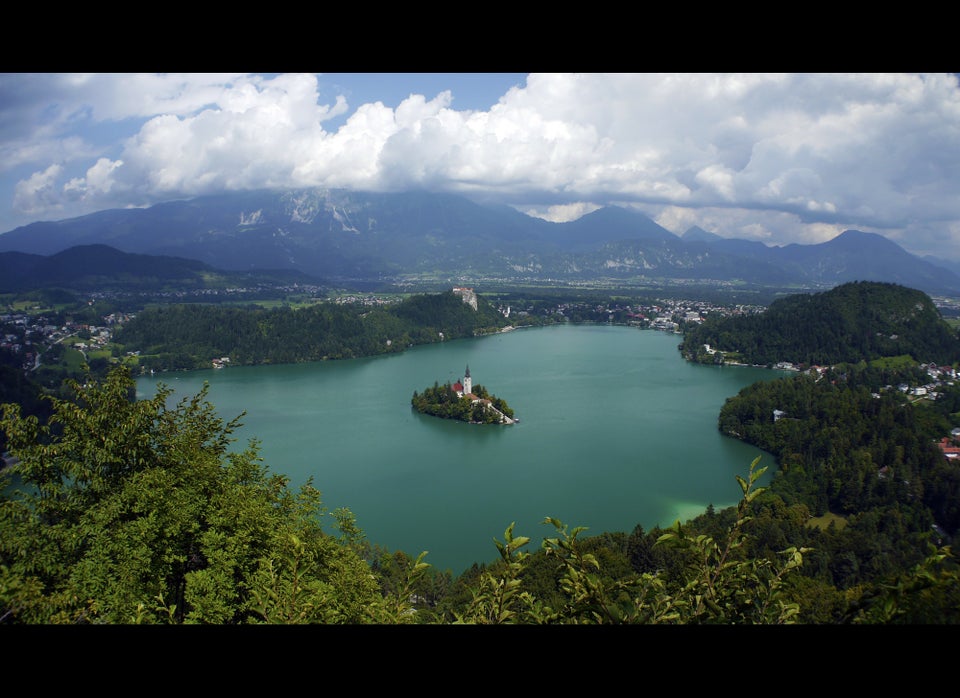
x=894, y=362
x=74, y=358
x=822, y=522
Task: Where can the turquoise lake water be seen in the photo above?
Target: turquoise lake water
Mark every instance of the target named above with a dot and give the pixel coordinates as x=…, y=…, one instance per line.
x=615, y=430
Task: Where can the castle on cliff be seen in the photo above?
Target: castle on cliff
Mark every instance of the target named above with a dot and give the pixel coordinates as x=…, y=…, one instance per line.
x=467, y=294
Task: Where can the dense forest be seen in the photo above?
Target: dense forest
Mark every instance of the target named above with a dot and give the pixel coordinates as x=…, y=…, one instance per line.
x=853, y=447
x=860, y=320
x=189, y=336
x=136, y=511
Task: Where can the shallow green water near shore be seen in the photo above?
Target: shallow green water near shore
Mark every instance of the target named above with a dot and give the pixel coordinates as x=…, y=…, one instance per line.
x=615, y=430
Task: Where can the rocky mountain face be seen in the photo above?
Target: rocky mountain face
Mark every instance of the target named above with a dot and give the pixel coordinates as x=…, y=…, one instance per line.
x=346, y=238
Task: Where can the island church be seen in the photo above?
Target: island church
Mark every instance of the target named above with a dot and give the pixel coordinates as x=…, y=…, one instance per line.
x=464, y=388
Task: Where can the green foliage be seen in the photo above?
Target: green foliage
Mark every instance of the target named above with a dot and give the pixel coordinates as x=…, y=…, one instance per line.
x=928, y=593
x=851, y=444
x=188, y=336
x=852, y=322
x=844, y=427
x=716, y=583
x=498, y=597
x=447, y=313
x=20, y=388
x=135, y=512
x=729, y=587
x=443, y=401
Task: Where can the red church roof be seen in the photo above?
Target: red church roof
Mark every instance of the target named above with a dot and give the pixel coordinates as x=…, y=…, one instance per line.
x=948, y=449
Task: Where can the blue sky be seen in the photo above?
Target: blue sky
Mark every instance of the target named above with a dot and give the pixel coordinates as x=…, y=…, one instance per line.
x=778, y=158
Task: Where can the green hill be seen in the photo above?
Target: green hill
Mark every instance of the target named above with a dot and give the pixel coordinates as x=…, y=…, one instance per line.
x=185, y=336
x=863, y=320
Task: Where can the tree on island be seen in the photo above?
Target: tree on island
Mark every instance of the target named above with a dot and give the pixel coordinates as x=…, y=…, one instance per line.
x=463, y=401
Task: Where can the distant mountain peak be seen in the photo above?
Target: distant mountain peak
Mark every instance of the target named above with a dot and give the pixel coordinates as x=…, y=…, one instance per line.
x=696, y=233
x=858, y=236
x=366, y=238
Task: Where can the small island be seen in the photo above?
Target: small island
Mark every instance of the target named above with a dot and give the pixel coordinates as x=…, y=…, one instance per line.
x=463, y=401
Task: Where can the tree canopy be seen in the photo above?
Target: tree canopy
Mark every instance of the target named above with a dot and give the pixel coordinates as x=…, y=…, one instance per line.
x=863, y=320
x=186, y=336
x=131, y=511
x=443, y=401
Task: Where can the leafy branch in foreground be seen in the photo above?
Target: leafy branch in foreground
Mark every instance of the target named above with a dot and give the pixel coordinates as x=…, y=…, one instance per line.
x=135, y=512
x=928, y=593
x=725, y=586
x=719, y=584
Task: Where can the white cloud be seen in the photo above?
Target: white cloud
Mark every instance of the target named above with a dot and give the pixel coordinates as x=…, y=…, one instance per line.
x=98, y=181
x=779, y=158
x=37, y=194
x=560, y=213
x=768, y=227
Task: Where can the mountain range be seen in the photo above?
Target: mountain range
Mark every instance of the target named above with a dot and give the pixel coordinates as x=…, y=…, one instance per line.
x=98, y=267
x=347, y=239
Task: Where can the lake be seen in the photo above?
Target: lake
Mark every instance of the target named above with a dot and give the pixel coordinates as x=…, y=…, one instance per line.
x=615, y=430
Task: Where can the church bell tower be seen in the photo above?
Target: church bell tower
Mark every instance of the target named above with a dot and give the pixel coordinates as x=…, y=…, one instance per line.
x=467, y=381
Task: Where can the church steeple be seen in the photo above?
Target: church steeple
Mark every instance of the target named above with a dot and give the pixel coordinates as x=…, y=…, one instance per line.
x=467, y=381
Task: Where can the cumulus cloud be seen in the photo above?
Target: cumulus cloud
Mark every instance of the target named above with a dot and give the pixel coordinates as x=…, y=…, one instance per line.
x=98, y=181
x=771, y=157
x=38, y=194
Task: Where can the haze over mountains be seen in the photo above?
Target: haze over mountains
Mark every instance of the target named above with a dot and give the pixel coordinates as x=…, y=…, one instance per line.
x=361, y=238
x=103, y=268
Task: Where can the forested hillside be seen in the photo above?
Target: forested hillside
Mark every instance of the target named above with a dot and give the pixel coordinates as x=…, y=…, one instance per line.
x=860, y=320
x=849, y=441
x=187, y=336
